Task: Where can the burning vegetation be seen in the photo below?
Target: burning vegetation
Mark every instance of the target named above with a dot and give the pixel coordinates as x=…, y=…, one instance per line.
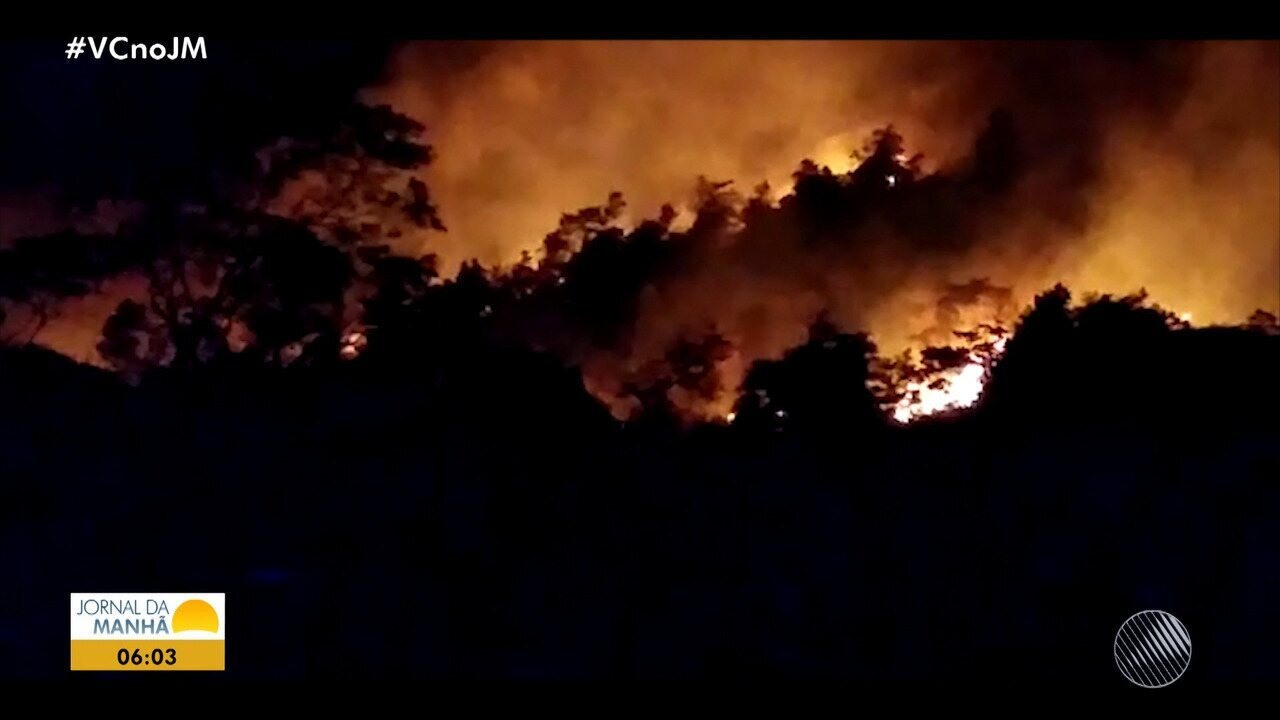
x=912, y=269
x=928, y=406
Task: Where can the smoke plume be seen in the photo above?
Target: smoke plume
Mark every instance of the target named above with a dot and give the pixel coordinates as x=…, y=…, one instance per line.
x=1151, y=166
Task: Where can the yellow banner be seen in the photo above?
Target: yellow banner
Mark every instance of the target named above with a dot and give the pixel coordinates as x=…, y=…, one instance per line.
x=139, y=654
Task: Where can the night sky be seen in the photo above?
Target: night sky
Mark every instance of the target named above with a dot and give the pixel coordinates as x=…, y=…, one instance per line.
x=111, y=127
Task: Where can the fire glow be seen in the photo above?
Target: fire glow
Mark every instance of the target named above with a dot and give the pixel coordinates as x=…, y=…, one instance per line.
x=953, y=390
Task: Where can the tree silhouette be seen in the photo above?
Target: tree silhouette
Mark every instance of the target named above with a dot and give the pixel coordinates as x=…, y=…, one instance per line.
x=215, y=289
x=679, y=386
x=261, y=272
x=818, y=387
x=1264, y=321
x=353, y=183
x=37, y=273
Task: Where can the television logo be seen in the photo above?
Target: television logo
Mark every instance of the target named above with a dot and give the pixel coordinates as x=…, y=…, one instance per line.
x=1152, y=649
x=148, y=631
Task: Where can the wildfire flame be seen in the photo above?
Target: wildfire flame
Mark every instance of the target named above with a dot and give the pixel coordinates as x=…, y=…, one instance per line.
x=353, y=343
x=958, y=388
x=952, y=390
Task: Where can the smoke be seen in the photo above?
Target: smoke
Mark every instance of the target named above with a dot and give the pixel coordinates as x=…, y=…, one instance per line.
x=1150, y=166
x=1147, y=165
x=1190, y=208
x=527, y=131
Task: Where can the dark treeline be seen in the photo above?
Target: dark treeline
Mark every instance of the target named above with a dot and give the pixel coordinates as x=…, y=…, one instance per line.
x=437, y=494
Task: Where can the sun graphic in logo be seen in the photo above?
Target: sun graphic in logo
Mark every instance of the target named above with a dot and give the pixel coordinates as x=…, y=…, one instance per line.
x=195, y=615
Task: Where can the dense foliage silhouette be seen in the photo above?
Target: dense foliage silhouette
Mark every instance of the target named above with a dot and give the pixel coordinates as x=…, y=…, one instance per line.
x=452, y=502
